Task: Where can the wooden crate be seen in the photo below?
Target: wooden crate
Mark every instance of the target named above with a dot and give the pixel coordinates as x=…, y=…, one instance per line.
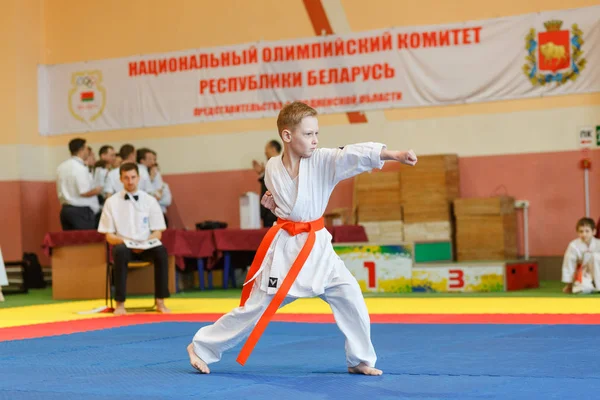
x=484, y=206
x=428, y=231
x=384, y=212
x=377, y=197
x=486, y=229
x=384, y=232
x=434, y=177
x=426, y=211
x=377, y=188
x=378, y=181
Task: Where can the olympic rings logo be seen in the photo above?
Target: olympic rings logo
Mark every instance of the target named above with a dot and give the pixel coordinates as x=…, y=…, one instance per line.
x=88, y=81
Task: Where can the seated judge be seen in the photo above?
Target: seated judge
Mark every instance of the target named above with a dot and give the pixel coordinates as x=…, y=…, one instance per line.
x=132, y=214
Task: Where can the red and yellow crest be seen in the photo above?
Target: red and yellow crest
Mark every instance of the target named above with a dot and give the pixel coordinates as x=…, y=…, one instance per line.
x=554, y=55
x=554, y=52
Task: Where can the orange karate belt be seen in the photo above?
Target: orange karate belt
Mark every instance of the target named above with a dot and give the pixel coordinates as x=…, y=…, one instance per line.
x=579, y=273
x=293, y=228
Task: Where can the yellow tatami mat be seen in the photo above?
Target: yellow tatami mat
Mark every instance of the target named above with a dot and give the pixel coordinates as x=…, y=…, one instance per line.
x=19, y=316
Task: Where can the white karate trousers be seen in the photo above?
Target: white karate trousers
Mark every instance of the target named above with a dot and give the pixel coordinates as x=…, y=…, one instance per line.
x=591, y=281
x=343, y=296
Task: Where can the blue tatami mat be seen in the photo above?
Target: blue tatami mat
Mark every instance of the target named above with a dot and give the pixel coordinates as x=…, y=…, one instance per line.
x=306, y=361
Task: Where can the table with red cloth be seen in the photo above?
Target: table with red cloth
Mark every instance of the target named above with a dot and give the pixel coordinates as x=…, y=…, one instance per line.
x=177, y=242
x=200, y=245
x=88, y=251
x=236, y=240
x=88, y=248
x=349, y=234
x=70, y=238
x=78, y=264
x=230, y=240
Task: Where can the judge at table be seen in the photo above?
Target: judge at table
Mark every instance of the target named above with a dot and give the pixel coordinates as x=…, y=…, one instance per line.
x=134, y=215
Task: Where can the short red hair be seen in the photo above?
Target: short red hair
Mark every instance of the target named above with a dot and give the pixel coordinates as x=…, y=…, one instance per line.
x=291, y=115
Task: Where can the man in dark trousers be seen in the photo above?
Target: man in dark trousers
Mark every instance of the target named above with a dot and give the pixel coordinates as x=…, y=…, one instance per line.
x=134, y=215
x=76, y=191
x=272, y=149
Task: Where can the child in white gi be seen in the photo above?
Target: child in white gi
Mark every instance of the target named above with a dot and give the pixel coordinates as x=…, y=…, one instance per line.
x=581, y=264
x=296, y=258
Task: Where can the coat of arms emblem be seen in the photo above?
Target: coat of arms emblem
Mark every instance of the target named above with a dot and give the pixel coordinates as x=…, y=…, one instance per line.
x=87, y=96
x=554, y=55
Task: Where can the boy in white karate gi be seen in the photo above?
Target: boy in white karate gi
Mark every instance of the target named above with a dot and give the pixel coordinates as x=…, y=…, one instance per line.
x=581, y=264
x=296, y=258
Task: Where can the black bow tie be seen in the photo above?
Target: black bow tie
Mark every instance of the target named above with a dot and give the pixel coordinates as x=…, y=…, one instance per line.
x=135, y=197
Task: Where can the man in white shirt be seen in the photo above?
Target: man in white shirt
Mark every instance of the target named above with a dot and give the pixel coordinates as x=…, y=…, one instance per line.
x=118, y=161
x=132, y=214
x=90, y=161
x=157, y=181
x=272, y=149
x=113, y=179
x=76, y=191
x=161, y=190
x=101, y=168
x=146, y=158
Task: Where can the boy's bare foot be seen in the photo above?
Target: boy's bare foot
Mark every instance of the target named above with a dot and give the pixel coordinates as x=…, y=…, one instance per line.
x=197, y=361
x=364, y=369
x=160, y=306
x=120, y=309
x=568, y=289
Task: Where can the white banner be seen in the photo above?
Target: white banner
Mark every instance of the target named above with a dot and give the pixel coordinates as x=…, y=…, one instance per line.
x=533, y=55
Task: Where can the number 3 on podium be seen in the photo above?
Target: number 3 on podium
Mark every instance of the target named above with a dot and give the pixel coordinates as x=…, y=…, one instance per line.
x=456, y=279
